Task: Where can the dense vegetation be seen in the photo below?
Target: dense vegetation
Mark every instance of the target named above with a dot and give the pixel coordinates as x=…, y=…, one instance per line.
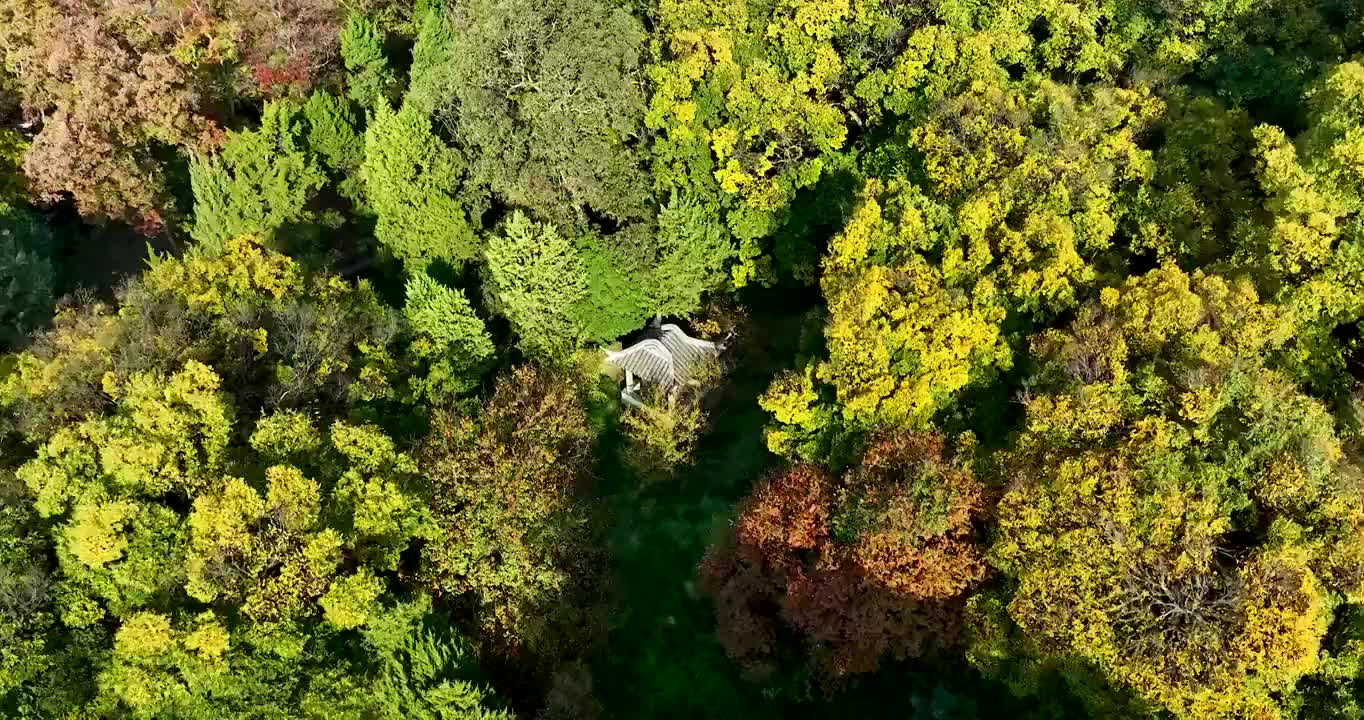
x=1041, y=393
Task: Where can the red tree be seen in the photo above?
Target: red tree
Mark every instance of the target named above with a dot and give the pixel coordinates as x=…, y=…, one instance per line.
x=869, y=566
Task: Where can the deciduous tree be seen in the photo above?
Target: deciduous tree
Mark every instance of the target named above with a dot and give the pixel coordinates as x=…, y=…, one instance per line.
x=1178, y=512
x=545, y=100
x=506, y=487
x=867, y=567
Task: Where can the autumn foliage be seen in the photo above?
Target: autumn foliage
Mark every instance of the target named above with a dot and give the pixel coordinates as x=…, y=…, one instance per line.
x=869, y=566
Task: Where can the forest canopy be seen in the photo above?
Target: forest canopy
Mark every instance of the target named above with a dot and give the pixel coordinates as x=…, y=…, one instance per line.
x=999, y=358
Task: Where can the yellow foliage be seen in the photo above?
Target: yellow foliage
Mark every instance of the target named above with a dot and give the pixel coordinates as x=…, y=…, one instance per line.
x=144, y=635
x=246, y=271
x=95, y=533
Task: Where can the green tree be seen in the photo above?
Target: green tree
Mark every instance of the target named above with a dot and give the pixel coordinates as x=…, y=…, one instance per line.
x=260, y=182
x=26, y=274
x=544, y=98
x=13, y=185
x=333, y=136
x=279, y=338
x=449, y=336
x=411, y=179
x=536, y=279
x=369, y=76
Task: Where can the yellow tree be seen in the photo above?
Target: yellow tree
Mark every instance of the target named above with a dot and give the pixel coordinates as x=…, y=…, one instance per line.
x=1179, y=515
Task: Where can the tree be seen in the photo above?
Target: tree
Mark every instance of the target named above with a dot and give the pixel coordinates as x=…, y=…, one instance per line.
x=536, y=279
x=693, y=252
x=744, y=106
x=371, y=79
x=639, y=272
x=505, y=489
x=1315, y=194
x=407, y=663
x=871, y=566
x=427, y=669
x=1179, y=513
x=661, y=434
x=1041, y=188
x=449, y=335
x=13, y=185
x=410, y=179
x=544, y=99
x=278, y=338
x=904, y=336
x=109, y=90
x=261, y=181
x=28, y=623
x=26, y=274
x=333, y=136
x=289, y=44
x=228, y=517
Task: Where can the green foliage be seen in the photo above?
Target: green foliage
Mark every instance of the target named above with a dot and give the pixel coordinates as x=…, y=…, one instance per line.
x=661, y=435
x=259, y=183
x=426, y=668
x=369, y=75
x=410, y=176
x=249, y=313
x=27, y=616
x=631, y=278
x=432, y=52
x=332, y=136
x=543, y=98
x=449, y=335
x=693, y=252
x=536, y=279
x=617, y=299
x=13, y=186
x=26, y=274
x=350, y=601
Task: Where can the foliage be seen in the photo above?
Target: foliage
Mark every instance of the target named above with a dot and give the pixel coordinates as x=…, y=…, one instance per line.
x=13, y=185
x=867, y=567
x=544, y=99
x=903, y=336
x=279, y=338
x=427, y=669
x=333, y=136
x=744, y=104
x=661, y=434
x=409, y=177
x=259, y=183
x=536, y=278
x=110, y=89
x=1058, y=306
x=1162, y=458
x=449, y=335
x=371, y=79
x=26, y=274
x=505, y=493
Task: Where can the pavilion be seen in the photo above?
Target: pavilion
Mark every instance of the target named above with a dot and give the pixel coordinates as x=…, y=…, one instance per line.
x=667, y=359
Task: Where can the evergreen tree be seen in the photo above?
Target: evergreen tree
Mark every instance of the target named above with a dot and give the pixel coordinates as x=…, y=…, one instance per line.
x=261, y=181
x=536, y=278
x=411, y=179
